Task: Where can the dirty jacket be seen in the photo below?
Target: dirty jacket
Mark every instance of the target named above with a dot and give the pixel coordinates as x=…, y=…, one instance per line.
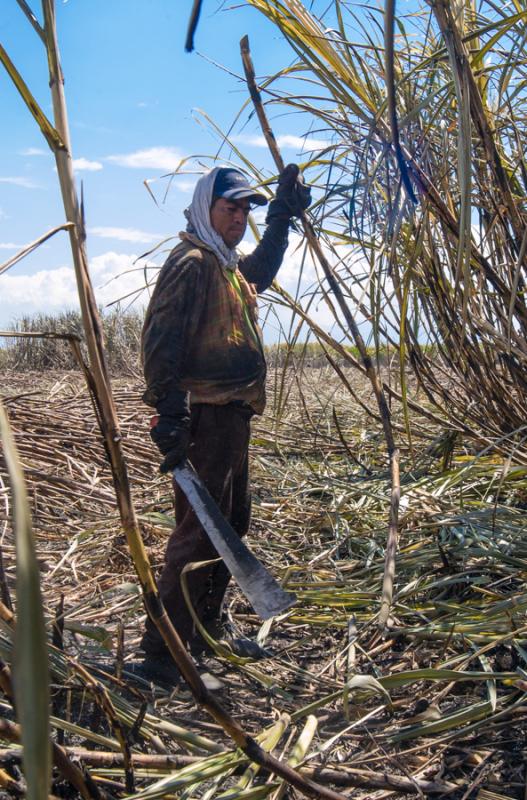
x=201, y=342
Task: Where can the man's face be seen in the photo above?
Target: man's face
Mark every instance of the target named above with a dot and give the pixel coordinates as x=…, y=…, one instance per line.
x=229, y=219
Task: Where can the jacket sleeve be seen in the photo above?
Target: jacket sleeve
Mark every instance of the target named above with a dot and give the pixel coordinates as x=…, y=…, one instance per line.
x=261, y=266
x=169, y=323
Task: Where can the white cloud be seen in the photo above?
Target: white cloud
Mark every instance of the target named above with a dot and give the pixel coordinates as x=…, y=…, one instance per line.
x=3, y=215
x=259, y=214
x=185, y=186
x=285, y=141
x=87, y=166
x=48, y=290
x=165, y=158
x=294, y=264
x=126, y=234
x=113, y=275
x=298, y=275
x=11, y=246
x=34, y=151
x=17, y=180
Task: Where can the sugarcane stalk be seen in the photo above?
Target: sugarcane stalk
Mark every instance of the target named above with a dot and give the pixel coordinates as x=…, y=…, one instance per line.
x=384, y=411
x=192, y=25
x=379, y=780
x=389, y=65
x=109, y=758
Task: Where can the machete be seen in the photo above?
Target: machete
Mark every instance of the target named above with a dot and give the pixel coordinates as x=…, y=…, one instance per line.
x=259, y=587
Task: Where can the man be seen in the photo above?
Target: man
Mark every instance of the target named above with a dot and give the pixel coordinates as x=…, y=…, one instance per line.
x=205, y=372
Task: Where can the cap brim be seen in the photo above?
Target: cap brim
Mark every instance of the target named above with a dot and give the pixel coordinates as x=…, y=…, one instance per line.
x=241, y=194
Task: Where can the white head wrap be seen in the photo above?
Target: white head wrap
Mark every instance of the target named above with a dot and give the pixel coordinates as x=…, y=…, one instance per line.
x=199, y=224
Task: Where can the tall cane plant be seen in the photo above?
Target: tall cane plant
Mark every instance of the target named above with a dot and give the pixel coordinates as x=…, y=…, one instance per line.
x=424, y=181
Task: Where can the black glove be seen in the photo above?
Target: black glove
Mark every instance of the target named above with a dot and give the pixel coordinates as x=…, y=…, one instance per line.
x=172, y=437
x=292, y=196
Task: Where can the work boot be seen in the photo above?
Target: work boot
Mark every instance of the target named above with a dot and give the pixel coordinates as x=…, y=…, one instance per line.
x=247, y=648
x=160, y=669
x=224, y=633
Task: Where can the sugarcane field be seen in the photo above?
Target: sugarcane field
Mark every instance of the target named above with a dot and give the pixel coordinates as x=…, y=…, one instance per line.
x=263, y=418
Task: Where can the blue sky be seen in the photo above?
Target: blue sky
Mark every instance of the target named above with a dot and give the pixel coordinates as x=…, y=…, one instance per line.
x=132, y=95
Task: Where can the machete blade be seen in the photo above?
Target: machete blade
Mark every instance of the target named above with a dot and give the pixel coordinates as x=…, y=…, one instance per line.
x=259, y=587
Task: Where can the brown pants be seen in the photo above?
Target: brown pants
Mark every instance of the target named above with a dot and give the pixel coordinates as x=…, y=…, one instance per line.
x=219, y=452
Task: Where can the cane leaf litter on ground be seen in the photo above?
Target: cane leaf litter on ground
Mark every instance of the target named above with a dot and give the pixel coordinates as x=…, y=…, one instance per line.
x=438, y=695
